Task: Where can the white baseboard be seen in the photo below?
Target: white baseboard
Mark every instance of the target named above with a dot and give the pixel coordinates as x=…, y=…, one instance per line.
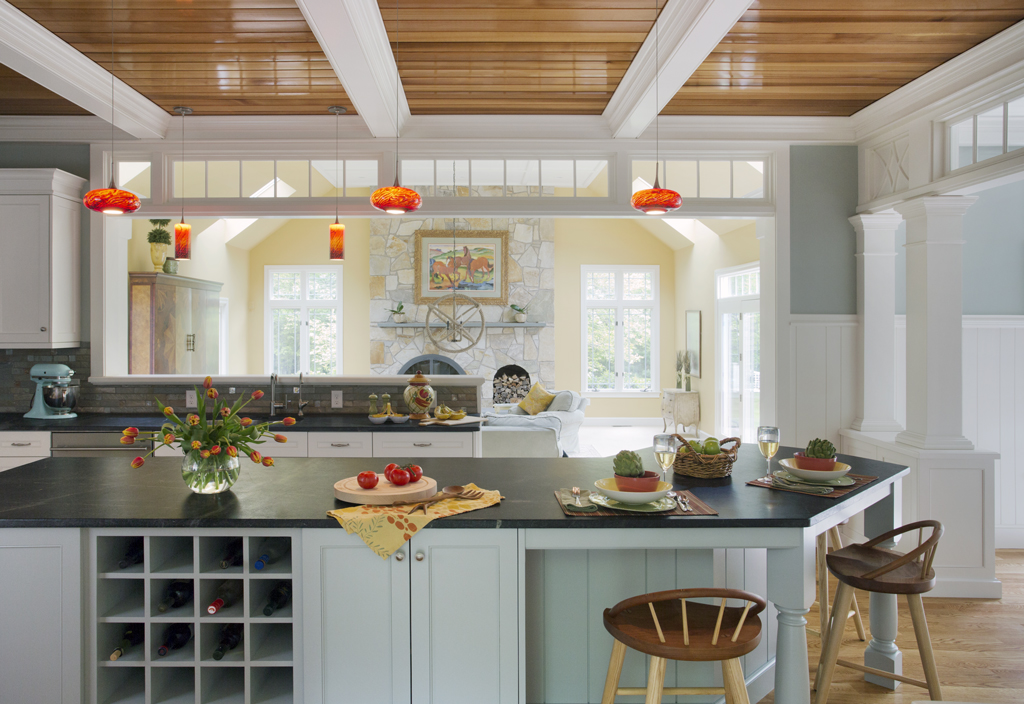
x=961, y=588
x=1009, y=537
x=644, y=422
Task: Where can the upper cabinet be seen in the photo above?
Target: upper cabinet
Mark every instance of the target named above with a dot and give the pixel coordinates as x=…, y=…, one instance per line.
x=40, y=258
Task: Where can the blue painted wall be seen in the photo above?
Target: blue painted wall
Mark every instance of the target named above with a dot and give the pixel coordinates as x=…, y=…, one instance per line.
x=823, y=195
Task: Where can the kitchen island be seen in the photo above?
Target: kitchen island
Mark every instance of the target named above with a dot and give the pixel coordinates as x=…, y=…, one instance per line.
x=499, y=605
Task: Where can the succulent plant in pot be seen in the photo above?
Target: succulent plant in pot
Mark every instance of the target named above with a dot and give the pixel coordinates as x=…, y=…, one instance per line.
x=819, y=456
x=630, y=474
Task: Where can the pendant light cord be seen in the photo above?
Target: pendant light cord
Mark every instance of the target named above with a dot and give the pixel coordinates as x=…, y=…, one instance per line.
x=337, y=169
x=398, y=87
x=657, y=97
x=183, y=165
x=112, y=79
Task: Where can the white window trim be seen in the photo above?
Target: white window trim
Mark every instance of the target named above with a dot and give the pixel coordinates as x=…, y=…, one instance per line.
x=269, y=305
x=224, y=329
x=733, y=304
x=655, y=306
x=973, y=114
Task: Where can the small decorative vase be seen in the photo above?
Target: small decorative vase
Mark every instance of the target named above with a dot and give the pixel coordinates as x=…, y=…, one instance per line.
x=157, y=254
x=687, y=383
x=520, y=317
x=398, y=317
x=679, y=381
x=212, y=475
x=419, y=397
x=171, y=266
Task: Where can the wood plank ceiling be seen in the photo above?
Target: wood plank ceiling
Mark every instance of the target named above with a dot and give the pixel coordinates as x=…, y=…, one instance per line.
x=22, y=96
x=219, y=57
x=834, y=57
x=474, y=57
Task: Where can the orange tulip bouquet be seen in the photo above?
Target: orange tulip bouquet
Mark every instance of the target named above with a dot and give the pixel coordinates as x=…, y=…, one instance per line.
x=211, y=444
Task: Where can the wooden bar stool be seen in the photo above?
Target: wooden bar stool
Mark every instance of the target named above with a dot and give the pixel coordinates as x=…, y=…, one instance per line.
x=666, y=627
x=832, y=536
x=871, y=568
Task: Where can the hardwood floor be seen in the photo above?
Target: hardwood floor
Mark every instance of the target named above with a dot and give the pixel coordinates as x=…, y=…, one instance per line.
x=978, y=646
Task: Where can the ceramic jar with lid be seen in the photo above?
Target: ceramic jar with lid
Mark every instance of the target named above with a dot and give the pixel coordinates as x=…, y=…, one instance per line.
x=419, y=397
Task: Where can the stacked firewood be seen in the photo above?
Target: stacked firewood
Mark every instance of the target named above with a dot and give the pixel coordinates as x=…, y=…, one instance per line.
x=511, y=388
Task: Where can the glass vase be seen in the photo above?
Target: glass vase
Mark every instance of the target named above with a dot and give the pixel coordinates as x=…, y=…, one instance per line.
x=212, y=475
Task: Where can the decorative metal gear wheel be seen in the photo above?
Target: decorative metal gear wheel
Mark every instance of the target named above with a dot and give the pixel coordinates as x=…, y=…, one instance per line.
x=462, y=323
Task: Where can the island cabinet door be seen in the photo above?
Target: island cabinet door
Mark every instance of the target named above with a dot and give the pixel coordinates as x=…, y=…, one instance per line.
x=465, y=637
x=355, y=621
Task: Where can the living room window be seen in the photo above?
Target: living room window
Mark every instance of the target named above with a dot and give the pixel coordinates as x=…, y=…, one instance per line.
x=620, y=329
x=302, y=319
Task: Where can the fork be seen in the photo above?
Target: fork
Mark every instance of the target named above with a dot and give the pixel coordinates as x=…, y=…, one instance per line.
x=576, y=495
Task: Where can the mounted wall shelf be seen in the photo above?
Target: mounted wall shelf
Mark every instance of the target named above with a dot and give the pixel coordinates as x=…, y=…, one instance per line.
x=468, y=325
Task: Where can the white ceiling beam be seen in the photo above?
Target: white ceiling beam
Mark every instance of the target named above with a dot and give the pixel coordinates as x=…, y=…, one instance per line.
x=352, y=35
x=690, y=30
x=43, y=57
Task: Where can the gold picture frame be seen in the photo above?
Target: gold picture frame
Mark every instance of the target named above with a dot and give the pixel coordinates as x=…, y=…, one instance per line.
x=477, y=271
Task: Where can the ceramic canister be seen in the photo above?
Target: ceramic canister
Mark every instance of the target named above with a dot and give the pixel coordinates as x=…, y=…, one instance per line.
x=419, y=396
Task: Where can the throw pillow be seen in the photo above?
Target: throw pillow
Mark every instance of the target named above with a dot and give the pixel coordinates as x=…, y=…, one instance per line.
x=537, y=400
x=562, y=401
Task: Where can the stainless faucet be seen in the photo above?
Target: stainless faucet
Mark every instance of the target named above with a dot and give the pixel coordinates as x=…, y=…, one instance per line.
x=302, y=404
x=274, y=405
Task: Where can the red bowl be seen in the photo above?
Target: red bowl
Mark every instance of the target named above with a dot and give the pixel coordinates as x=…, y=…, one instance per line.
x=648, y=482
x=814, y=464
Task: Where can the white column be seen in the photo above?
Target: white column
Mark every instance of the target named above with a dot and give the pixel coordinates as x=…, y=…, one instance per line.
x=934, y=322
x=876, y=313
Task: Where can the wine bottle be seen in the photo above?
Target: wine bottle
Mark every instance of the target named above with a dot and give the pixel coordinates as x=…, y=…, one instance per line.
x=232, y=554
x=228, y=594
x=133, y=635
x=230, y=637
x=272, y=550
x=176, y=636
x=279, y=597
x=132, y=555
x=179, y=593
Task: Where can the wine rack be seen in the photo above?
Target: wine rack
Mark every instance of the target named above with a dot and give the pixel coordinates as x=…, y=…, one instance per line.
x=265, y=668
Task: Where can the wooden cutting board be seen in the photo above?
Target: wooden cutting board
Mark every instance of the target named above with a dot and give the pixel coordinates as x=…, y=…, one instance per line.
x=461, y=421
x=385, y=492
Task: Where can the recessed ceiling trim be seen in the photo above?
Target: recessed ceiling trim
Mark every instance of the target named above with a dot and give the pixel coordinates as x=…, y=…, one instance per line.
x=38, y=54
x=352, y=35
x=690, y=30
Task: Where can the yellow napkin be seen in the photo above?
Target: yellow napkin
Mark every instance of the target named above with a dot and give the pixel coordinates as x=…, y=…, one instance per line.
x=384, y=529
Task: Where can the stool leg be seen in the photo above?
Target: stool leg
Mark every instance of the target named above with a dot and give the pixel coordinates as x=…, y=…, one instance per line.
x=822, y=570
x=655, y=681
x=830, y=653
x=837, y=543
x=611, y=682
x=924, y=645
x=735, y=686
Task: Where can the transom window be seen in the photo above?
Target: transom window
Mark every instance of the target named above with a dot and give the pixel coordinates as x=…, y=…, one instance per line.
x=269, y=178
x=620, y=329
x=987, y=134
x=302, y=320
x=566, y=178
x=704, y=178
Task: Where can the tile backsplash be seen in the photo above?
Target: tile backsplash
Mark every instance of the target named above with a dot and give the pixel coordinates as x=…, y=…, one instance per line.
x=16, y=390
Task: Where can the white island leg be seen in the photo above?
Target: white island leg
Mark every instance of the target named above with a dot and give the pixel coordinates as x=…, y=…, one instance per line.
x=882, y=652
x=791, y=589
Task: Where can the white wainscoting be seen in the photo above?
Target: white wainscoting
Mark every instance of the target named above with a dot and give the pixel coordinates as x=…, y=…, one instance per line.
x=824, y=370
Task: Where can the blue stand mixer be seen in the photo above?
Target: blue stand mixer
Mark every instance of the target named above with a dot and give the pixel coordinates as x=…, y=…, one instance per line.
x=55, y=396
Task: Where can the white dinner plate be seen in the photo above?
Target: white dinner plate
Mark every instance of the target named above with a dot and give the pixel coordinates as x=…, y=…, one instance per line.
x=810, y=475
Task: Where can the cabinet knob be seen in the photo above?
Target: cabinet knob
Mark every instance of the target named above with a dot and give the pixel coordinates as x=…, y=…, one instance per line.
x=42, y=329
x=399, y=556
x=419, y=557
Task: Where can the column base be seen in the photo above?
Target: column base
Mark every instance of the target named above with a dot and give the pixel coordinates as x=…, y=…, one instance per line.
x=876, y=426
x=934, y=442
x=888, y=662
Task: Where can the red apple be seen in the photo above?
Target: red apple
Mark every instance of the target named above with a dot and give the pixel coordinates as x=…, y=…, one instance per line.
x=367, y=480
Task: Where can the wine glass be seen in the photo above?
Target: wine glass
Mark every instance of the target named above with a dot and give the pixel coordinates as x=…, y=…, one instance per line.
x=665, y=448
x=768, y=443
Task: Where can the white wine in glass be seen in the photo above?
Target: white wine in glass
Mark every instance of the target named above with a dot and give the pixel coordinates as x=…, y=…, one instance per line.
x=665, y=448
x=768, y=443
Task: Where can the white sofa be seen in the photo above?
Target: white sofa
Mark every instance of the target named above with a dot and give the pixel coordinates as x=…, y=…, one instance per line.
x=565, y=423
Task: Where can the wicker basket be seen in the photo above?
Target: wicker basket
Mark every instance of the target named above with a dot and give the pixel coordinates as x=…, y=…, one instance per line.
x=690, y=464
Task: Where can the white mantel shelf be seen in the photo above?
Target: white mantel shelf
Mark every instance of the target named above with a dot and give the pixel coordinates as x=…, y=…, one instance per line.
x=468, y=325
x=263, y=380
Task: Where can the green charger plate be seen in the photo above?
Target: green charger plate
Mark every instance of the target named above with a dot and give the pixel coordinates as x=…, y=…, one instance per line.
x=839, y=481
x=662, y=504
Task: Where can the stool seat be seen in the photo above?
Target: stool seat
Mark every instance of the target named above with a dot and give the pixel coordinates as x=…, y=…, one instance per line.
x=631, y=624
x=850, y=564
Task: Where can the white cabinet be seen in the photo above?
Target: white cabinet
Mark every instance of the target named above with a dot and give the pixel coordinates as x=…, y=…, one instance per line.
x=465, y=610
x=295, y=447
x=40, y=270
x=340, y=445
x=356, y=626
x=18, y=448
x=425, y=444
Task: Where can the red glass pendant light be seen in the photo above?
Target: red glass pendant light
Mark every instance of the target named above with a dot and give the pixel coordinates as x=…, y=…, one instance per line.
x=337, y=237
x=111, y=200
x=656, y=200
x=183, y=241
x=337, y=242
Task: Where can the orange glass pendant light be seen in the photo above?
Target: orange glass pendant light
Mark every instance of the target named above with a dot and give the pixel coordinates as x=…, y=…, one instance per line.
x=111, y=200
x=656, y=200
x=337, y=242
x=337, y=238
x=183, y=241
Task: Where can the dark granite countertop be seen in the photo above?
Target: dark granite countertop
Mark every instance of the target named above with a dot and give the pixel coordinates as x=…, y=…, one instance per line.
x=314, y=423
x=297, y=493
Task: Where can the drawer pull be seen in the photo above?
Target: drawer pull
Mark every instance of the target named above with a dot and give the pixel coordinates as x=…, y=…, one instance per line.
x=339, y=444
x=422, y=444
x=21, y=444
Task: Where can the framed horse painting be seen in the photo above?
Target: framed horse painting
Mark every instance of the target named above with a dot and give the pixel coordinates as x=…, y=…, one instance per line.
x=472, y=263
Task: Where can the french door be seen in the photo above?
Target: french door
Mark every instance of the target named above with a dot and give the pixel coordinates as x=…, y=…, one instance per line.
x=739, y=353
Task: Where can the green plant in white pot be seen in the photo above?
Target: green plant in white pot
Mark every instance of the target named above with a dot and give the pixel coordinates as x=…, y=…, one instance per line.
x=398, y=312
x=519, y=312
x=159, y=239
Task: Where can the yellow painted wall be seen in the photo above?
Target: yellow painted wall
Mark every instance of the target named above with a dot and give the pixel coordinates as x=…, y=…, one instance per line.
x=212, y=260
x=608, y=241
x=305, y=242
x=695, y=290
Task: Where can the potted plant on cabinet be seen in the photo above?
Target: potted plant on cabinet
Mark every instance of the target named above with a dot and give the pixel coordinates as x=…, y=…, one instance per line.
x=159, y=239
x=398, y=313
